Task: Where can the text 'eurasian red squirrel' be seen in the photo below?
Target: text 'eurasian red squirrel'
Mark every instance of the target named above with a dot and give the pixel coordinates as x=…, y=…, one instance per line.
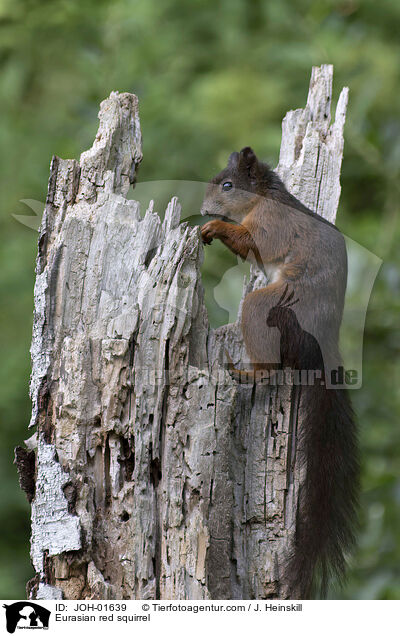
x=295, y=319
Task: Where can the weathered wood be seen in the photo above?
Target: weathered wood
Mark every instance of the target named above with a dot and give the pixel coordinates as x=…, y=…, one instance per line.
x=156, y=475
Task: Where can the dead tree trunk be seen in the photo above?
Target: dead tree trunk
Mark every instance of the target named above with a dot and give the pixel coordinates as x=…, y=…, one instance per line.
x=156, y=475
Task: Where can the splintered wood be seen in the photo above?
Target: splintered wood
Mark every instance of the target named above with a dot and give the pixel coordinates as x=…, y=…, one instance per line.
x=156, y=475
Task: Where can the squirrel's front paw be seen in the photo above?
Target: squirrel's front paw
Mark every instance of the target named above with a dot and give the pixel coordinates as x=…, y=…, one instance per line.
x=209, y=231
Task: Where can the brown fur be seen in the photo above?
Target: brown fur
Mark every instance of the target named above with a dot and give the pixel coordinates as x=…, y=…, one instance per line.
x=301, y=252
x=299, y=248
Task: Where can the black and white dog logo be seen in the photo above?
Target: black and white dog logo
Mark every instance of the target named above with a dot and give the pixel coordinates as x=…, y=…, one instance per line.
x=26, y=615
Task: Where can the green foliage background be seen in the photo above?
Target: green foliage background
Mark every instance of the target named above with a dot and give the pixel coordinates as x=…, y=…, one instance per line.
x=211, y=78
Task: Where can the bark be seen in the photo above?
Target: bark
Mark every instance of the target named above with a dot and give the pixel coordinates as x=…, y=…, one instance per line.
x=156, y=475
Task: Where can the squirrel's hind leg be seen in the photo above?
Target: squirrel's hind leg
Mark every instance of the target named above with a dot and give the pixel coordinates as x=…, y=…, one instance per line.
x=259, y=373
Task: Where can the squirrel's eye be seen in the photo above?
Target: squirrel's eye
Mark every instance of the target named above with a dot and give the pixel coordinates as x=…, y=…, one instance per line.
x=228, y=185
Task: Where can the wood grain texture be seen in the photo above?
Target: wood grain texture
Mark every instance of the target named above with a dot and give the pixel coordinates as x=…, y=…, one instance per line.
x=156, y=475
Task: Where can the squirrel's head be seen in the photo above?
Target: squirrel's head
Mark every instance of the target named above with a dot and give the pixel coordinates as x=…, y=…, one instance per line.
x=236, y=190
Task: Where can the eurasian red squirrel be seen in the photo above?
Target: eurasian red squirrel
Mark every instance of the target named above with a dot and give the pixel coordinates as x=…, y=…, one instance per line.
x=296, y=319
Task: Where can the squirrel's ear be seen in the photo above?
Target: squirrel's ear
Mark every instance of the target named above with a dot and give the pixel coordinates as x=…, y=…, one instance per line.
x=233, y=160
x=248, y=160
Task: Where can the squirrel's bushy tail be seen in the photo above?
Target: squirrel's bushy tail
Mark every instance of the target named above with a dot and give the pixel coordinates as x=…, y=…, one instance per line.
x=328, y=498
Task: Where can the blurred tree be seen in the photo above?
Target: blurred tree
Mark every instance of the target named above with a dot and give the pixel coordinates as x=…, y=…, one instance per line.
x=210, y=79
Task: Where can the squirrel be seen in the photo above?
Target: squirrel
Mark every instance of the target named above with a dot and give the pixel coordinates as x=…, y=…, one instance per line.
x=293, y=322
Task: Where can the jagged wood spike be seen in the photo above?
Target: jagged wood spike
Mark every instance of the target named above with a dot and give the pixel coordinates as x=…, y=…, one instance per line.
x=156, y=474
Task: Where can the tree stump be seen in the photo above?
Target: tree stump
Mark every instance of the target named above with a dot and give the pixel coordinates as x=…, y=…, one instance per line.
x=157, y=476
